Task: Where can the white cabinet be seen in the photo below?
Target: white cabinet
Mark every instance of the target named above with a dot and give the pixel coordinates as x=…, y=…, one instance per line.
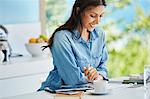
x=23, y=77
x=20, y=85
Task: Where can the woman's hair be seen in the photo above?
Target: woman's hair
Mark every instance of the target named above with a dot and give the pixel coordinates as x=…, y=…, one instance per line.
x=75, y=18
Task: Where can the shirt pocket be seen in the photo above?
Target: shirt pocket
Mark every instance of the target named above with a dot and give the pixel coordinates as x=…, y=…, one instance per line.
x=96, y=59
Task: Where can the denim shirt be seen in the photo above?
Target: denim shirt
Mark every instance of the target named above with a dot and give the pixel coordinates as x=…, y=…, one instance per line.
x=71, y=53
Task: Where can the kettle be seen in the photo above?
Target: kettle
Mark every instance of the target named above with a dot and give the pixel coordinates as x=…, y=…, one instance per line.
x=5, y=47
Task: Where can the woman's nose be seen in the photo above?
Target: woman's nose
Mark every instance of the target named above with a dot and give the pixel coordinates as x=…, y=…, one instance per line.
x=97, y=20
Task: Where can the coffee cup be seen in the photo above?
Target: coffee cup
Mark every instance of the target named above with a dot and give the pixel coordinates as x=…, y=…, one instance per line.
x=100, y=86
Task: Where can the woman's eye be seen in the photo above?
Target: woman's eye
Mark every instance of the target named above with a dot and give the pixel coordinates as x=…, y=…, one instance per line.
x=92, y=16
x=101, y=15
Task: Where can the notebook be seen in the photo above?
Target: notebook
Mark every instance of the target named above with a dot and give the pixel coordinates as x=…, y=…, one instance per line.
x=78, y=95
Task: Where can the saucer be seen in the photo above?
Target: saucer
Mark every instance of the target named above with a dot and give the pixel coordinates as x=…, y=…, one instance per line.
x=99, y=93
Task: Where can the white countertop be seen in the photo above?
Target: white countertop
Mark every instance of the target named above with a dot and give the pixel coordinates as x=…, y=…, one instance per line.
x=16, y=60
x=25, y=65
x=116, y=91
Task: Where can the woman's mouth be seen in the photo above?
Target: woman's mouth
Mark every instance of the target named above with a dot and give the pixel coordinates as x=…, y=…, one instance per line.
x=92, y=26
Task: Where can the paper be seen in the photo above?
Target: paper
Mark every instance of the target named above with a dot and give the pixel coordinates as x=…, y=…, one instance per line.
x=83, y=87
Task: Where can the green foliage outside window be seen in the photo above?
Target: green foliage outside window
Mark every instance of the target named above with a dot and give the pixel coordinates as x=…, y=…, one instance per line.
x=55, y=13
x=130, y=59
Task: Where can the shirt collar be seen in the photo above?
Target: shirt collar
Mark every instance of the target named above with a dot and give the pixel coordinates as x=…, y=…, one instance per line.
x=93, y=34
x=76, y=35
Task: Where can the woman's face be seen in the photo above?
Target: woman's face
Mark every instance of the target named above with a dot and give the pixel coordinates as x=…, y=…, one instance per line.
x=91, y=17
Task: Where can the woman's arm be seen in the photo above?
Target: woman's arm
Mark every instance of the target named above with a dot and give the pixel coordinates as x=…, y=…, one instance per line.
x=102, y=69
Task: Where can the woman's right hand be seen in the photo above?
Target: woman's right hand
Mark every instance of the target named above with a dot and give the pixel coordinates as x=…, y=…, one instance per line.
x=91, y=73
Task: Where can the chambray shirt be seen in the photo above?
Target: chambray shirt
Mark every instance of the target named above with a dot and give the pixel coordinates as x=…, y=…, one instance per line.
x=71, y=53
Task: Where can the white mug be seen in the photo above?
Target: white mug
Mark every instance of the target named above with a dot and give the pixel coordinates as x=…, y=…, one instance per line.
x=100, y=86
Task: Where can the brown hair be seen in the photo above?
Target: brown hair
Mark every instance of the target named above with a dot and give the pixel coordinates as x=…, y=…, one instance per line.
x=75, y=19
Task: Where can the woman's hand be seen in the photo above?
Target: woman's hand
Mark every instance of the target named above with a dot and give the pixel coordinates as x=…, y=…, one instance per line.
x=92, y=73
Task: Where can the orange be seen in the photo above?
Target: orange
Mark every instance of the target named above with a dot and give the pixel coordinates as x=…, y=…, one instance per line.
x=32, y=40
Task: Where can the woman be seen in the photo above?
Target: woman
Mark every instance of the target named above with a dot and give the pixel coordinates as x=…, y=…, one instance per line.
x=78, y=47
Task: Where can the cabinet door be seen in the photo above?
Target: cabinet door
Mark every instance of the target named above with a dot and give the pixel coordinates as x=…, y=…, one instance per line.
x=21, y=85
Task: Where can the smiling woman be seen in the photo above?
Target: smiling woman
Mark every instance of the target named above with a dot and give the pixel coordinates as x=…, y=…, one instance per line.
x=78, y=47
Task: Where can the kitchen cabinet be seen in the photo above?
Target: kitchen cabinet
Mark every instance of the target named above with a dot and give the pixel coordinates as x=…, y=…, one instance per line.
x=21, y=76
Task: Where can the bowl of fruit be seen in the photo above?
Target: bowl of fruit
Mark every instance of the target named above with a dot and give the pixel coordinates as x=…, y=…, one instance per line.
x=35, y=46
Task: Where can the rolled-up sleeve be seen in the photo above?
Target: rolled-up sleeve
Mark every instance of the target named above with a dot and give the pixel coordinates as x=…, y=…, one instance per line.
x=64, y=60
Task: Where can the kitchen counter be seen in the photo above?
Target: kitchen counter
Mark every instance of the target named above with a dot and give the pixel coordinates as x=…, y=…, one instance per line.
x=23, y=65
x=23, y=75
x=20, y=59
